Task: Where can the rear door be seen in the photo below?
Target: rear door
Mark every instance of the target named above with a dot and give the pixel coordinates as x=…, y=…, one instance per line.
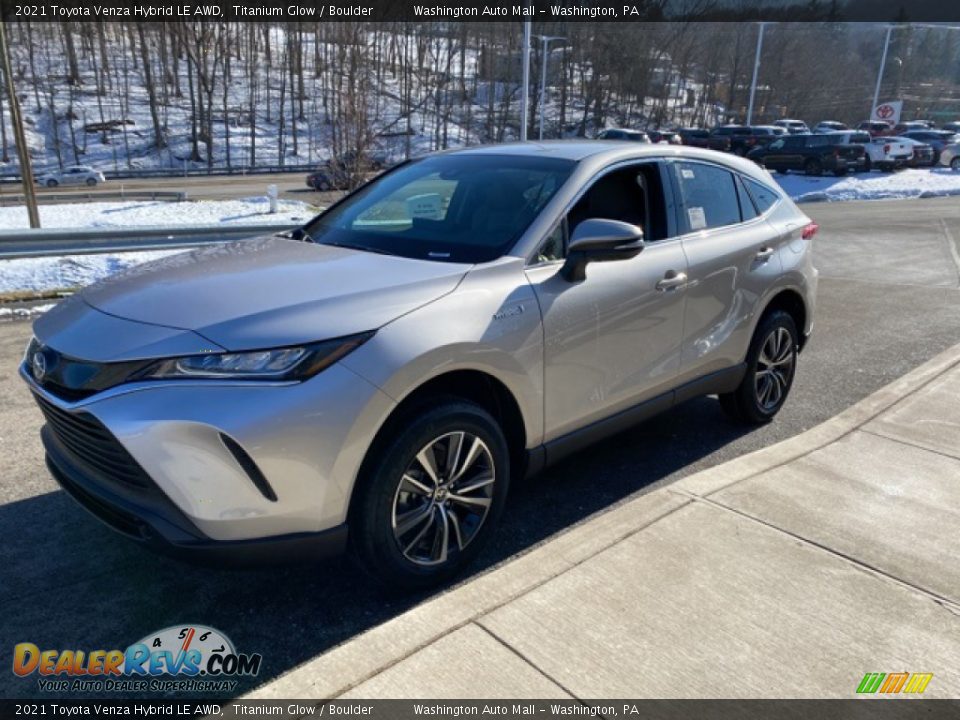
x=732, y=258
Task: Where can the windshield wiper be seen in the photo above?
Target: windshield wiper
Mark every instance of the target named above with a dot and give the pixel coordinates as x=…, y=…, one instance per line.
x=297, y=234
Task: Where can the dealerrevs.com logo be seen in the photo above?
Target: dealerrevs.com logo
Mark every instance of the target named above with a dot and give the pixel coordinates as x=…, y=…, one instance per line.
x=179, y=658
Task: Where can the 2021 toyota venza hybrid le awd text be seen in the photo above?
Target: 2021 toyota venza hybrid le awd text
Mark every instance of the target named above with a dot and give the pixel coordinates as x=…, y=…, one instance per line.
x=390, y=367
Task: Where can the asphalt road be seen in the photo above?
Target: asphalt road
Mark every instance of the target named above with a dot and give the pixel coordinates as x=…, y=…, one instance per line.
x=889, y=300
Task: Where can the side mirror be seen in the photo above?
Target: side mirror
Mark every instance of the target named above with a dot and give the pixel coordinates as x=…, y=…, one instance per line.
x=599, y=240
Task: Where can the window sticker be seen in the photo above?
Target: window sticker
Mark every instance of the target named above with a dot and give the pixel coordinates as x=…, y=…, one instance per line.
x=687, y=174
x=697, y=218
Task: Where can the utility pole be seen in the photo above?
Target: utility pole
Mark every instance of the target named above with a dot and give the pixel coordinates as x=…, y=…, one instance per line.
x=756, y=71
x=546, y=40
x=23, y=153
x=525, y=90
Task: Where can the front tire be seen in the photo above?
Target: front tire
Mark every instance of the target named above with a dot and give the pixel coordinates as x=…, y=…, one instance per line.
x=955, y=163
x=51, y=183
x=91, y=182
x=428, y=499
x=771, y=367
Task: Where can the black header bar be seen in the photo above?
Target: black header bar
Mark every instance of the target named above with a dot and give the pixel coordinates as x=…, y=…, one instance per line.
x=893, y=11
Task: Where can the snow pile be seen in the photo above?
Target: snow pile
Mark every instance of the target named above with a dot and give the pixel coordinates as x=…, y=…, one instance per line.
x=248, y=211
x=49, y=274
x=23, y=313
x=912, y=183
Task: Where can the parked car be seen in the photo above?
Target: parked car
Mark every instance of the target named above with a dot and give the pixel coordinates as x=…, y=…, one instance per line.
x=883, y=153
x=813, y=154
x=701, y=138
x=740, y=138
x=329, y=176
x=664, y=136
x=876, y=128
x=624, y=134
x=923, y=155
x=953, y=127
x=950, y=156
x=794, y=127
x=76, y=175
x=937, y=139
x=346, y=172
x=909, y=125
x=825, y=126
x=376, y=379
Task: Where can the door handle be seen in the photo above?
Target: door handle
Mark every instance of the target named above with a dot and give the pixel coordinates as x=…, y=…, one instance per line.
x=672, y=281
x=765, y=253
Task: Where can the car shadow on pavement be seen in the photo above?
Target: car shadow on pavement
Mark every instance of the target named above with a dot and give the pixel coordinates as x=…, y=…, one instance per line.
x=69, y=582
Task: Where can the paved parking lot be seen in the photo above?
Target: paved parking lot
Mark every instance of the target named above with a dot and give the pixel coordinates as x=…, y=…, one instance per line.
x=889, y=300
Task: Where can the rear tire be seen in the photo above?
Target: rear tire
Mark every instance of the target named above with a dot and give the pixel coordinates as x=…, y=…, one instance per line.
x=955, y=163
x=867, y=164
x=448, y=519
x=91, y=182
x=771, y=367
x=813, y=167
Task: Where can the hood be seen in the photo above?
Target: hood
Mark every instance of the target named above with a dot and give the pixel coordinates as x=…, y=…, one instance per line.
x=272, y=291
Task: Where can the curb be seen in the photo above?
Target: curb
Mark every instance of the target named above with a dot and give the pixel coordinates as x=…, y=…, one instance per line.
x=346, y=666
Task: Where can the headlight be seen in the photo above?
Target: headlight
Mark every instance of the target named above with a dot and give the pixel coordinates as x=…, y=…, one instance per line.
x=290, y=363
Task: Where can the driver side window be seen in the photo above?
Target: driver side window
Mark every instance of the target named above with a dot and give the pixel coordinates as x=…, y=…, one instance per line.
x=632, y=194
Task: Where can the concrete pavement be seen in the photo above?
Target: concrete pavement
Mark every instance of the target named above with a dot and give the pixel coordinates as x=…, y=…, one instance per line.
x=786, y=573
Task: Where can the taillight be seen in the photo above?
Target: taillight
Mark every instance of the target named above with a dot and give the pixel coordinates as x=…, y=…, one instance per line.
x=809, y=231
x=886, y=148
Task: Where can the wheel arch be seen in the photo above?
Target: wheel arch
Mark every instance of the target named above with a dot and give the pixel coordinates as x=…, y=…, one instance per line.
x=477, y=386
x=791, y=302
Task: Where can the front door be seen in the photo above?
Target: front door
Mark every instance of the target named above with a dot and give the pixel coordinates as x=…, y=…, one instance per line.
x=612, y=340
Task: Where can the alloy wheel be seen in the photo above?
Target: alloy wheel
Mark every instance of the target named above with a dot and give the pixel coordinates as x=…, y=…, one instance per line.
x=443, y=498
x=774, y=369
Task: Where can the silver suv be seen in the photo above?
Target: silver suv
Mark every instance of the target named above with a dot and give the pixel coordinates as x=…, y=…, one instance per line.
x=461, y=321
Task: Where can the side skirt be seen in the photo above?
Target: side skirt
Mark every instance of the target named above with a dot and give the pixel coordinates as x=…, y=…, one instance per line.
x=722, y=381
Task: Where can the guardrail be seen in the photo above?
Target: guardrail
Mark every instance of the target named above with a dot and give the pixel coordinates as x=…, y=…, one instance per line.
x=87, y=196
x=86, y=241
x=180, y=172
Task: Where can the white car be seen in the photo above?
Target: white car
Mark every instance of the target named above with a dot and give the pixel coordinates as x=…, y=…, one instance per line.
x=825, y=126
x=76, y=175
x=883, y=153
x=794, y=127
x=950, y=156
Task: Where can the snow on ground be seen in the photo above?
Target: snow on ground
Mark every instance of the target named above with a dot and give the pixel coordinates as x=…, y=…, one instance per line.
x=49, y=274
x=23, y=313
x=912, y=183
x=248, y=211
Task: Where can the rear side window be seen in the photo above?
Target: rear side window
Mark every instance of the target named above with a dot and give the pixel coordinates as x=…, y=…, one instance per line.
x=708, y=196
x=764, y=197
x=747, y=210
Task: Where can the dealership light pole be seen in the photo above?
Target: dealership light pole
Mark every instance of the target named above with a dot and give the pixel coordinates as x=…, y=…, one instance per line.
x=525, y=90
x=756, y=71
x=546, y=40
x=883, y=65
x=23, y=152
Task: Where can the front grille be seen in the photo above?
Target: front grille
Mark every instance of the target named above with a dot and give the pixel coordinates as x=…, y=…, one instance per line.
x=89, y=443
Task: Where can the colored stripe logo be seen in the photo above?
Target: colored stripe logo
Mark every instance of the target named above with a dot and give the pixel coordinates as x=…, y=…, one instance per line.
x=894, y=683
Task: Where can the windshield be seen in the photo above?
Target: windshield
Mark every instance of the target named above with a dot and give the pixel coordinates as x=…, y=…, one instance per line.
x=452, y=208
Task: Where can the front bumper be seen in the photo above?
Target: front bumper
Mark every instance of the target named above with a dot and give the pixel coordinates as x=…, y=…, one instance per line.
x=199, y=465
x=150, y=518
